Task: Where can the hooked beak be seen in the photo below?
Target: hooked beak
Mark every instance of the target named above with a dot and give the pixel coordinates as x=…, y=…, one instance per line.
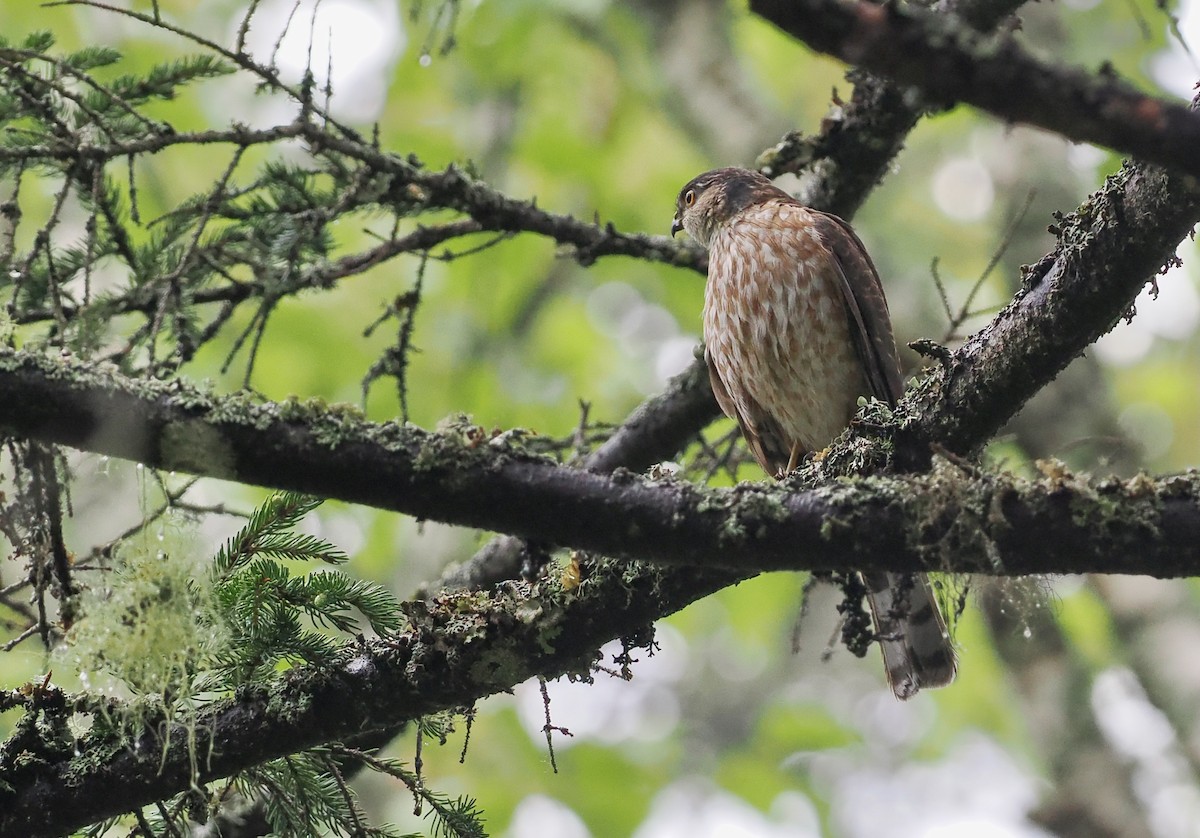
x=676, y=226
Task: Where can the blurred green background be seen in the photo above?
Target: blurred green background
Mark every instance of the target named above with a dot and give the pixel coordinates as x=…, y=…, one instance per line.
x=605, y=109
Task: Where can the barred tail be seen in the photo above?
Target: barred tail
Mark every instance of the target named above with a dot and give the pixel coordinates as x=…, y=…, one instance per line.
x=912, y=634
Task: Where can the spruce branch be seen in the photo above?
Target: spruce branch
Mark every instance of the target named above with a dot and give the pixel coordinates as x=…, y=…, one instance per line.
x=458, y=818
x=269, y=532
x=261, y=602
x=186, y=271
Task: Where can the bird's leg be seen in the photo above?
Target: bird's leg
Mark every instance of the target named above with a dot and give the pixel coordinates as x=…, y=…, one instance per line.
x=794, y=459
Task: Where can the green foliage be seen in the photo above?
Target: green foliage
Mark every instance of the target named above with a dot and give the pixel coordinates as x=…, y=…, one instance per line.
x=584, y=106
x=35, y=41
x=264, y=607
x=163, y=81
x=44, y=93
x=184, y=630
x=450, y=817
x=308, y=790
x=269, y=533
x=187, y=636
x=305, y=794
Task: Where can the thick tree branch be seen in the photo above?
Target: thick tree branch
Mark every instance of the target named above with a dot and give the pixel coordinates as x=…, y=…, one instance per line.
x=946, y=518
x=952, y=62
x=462, y=477
x=1107, y=250
x=462, y=647
x=858, y=140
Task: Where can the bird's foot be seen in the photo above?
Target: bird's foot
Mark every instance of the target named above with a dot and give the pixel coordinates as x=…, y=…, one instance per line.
x=794, y=459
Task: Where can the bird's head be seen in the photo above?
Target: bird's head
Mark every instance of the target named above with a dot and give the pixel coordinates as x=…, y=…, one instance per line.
x=709, y=200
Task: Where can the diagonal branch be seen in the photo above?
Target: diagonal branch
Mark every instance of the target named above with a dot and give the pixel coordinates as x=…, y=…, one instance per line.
x=458, y=648
x=858, y=140
x=951, y=62
x=657, y=428
x=1108, y=249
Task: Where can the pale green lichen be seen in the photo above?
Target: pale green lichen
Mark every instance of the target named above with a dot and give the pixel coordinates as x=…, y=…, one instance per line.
x=148, y=627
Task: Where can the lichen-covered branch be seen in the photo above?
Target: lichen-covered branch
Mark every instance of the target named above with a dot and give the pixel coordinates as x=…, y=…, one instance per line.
x=859, y=139
x=458, y=648
x=1108, y=249
x=464, y=476
x=462, y=646
x=951, y=62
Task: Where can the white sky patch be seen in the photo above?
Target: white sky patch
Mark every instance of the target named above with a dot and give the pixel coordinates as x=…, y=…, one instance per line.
x=1084, y=157
x=648, y=333
x=920, y=799
x=1174, y=68
x=537, y=816
x=358, y=40
x=963, y=189
x=1136, y=729
x=694, y=808
x=612, y=710
x=674, y=355
x=1131, y=724
x=1173, y=315
x=619, y=310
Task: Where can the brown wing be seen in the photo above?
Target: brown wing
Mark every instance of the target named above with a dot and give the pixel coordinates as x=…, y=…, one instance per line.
x=763, y=435
x=866, y=307
x=912, y=633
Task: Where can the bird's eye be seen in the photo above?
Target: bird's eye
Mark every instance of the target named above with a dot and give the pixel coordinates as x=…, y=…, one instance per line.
x=689, y=197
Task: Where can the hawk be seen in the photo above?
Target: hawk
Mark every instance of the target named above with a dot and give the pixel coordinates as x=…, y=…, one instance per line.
x=796, y=328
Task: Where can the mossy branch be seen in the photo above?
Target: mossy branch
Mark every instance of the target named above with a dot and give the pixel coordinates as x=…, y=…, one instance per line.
x=457, y=649
x=462, y=476
x=1108, y=249
x=950, y=62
